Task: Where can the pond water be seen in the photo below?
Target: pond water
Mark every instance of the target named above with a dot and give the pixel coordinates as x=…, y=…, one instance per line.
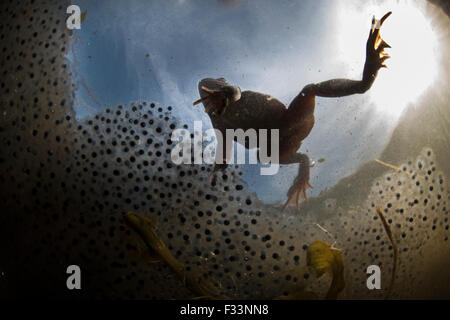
x=159, y=52
x=87, y=174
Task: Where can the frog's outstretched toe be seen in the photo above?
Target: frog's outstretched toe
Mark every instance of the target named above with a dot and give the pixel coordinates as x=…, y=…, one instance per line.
x=200, y=101
x=376, y=55
x=301, y=184
x=214, y=99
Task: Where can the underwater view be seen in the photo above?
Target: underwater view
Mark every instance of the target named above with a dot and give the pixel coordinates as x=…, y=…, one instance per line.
x=225, y=150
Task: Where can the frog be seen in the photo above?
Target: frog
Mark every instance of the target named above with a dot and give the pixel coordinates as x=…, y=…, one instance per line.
x=228, y=107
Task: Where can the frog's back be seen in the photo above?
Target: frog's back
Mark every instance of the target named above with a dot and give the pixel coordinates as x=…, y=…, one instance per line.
x=253, y=111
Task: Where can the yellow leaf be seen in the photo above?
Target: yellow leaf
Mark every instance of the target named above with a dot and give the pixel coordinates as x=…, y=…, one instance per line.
x=146, y=228
x=323, y=258
x=83, y=16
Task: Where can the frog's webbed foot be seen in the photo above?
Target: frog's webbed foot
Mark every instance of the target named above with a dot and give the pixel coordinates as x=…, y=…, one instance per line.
x=301, y=184
x=218, y=100
x=375, y=54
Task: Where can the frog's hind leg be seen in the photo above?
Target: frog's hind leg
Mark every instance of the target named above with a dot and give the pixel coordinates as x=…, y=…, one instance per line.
x=301, y=183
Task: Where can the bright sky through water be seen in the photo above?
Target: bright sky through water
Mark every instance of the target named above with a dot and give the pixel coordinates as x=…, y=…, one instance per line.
x=157, y=51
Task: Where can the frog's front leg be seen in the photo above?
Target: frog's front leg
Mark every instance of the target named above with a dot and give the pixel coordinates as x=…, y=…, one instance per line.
x=301, y=183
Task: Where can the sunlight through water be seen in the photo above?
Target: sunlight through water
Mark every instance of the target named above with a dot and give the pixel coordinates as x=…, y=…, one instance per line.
x=414, y=60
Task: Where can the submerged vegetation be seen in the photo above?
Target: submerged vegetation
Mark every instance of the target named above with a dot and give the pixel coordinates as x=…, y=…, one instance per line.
x=146, y=228
x=394, y=247
x=322, y=258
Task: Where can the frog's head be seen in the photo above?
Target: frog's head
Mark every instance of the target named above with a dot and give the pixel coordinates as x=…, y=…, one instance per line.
x=219, y=99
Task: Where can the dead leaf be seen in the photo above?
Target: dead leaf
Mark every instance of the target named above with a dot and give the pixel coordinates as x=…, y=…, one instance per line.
x=394, y=247
x=146, y=229
x=391, y=166
x=323, y=258
x=83, y=16
x=141, y=252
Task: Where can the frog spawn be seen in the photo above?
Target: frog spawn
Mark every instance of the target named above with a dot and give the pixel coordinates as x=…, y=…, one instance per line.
x=245, y=247
x=219, y=230
x=65, y=185
x=414, y=202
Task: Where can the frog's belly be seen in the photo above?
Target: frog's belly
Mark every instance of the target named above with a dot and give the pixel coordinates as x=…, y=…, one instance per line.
x=253, y=111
